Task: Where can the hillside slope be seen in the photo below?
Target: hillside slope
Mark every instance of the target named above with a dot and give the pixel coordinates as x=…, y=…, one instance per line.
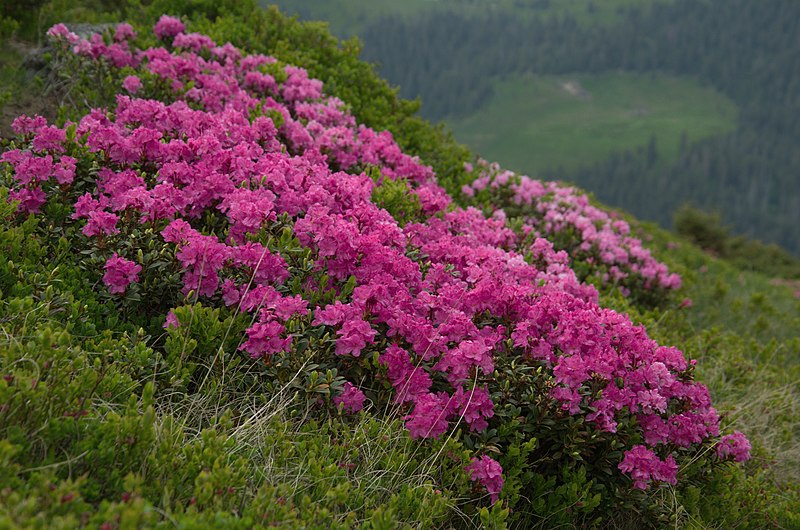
x=232, y=300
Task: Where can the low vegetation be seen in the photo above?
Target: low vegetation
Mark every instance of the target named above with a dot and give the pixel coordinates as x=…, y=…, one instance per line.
x=232, y=298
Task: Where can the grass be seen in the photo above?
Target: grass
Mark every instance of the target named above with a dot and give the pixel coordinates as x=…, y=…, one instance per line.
x=533, y=124
x=351, y=17
x=743, y=329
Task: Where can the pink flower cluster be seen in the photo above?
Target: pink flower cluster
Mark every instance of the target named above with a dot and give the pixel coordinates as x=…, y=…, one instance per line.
x=120, y=273
x=643, y=465
x=734, y=446
x=351, y=399
x=488, y=473
x=600, y=239
x=440, y=301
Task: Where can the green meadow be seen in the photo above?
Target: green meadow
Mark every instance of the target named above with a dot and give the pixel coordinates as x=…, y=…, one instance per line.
x=536, y=123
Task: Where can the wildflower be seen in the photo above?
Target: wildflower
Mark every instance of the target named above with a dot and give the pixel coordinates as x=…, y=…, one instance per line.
x=734, y=446
x=430, y=416
x=65, y=171
x=643, y=466
x=171, y=321
x=120, y=273
x=124, y=32
x=351, y=398
x=488, y=473
x=50, y=138
x=25, y=125
x=353, y=337
x=132, y=84
x=475, y=406
x=30, y=199
x=60, y=31
x=264, y=338
x=168, y=27
x=101, y=222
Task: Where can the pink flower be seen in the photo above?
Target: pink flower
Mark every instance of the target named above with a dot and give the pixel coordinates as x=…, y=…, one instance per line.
x=171, y=322
x=230, y=293
x=193, y=41
x=65, y=171
x=264, y=338
x=61, y=31
x=168, y=27
x=430, y=416
x=353, y=337
x=260, y=263
x=488, y=473
x=735, y=446
x=50, y=138
x=351, y=398
x=101, y=222
x=409, y=381
x=132, y=84
x=120, y=273
x=25, y=125
x=643, y=465
x=30, y=199
x=29, y=167
x=475, y=406
x=86, y=204
x=124, y=32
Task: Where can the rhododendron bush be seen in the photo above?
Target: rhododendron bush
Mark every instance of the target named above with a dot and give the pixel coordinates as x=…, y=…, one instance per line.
x=232, y=180
x=598, y=242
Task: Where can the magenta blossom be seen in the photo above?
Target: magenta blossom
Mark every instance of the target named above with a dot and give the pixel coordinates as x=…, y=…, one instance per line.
x=120, y=273
x=132, y=84
x=351, y=398
x=124, y=32
x=643, y=465
x=168, y=26
x=488, y=473
x=171, y=322
x=734, y=446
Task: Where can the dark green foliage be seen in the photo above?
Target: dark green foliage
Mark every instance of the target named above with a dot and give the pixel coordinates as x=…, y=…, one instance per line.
x=707, y=231
x=395, y=197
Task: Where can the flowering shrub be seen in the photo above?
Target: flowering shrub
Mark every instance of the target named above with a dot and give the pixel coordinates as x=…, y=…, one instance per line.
x=598, y=242
x=120, y=273
x=264, y=193
x=488, y=472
